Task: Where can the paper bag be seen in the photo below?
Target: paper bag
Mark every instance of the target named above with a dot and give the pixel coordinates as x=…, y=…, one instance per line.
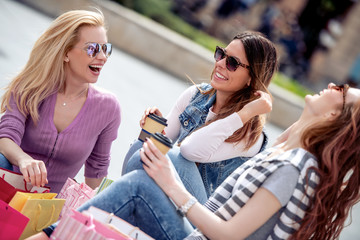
x=43, y=209
x=81, y=226
x=104, y=184
x=7, y=191
x=75, y=195
x=118, y=223
x=17, y=181
x=12, y=223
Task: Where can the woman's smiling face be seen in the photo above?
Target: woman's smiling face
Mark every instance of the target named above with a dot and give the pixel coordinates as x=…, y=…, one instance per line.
x=331, y=99
x=227, y=81
x=79, y=66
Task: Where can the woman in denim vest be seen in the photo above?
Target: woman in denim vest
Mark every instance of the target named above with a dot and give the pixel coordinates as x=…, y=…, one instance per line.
x=220, y=125
x=303, y=188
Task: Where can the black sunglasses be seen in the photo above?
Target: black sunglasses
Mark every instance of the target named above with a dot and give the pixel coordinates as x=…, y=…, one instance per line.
x=93, y=49
x=232, y=63
x=342, y=88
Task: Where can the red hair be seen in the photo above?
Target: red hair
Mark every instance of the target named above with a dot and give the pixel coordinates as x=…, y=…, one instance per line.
x=336, y=144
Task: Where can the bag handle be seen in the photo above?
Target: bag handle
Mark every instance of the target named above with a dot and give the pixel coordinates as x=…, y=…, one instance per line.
x=108, y=221
x=38, y=229
x=133, y=230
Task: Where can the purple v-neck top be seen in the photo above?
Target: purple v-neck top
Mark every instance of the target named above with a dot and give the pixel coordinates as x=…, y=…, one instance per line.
x=87, y=140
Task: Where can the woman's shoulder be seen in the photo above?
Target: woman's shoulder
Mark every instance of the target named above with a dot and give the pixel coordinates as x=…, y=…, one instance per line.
x=104, y=98
x=205, y=86
x=103, y=94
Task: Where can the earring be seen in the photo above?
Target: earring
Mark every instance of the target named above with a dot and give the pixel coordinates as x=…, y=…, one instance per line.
x=66, y=59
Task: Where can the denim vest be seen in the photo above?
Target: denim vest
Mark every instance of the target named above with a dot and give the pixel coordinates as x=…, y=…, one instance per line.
x=193, y=117
x=195, y=113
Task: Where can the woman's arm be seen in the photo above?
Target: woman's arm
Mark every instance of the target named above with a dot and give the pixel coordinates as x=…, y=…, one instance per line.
x=12, y=127
x=207, y=144
x=97, y=164
x=173, y=129
x=34, y=171
x=253, y=215
x=93, y=182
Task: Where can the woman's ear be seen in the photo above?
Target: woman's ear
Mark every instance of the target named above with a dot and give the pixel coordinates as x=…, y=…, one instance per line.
x=331, y=115
x=66, y=58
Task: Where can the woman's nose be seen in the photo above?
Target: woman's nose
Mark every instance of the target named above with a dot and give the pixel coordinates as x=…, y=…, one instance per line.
x=330, y=85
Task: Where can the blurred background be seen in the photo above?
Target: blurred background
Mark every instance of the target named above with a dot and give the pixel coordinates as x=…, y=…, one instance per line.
x=157, y=42
x=318, y=39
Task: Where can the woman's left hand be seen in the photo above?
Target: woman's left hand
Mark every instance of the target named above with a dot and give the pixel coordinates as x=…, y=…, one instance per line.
x=261, y=105
x=158, y=166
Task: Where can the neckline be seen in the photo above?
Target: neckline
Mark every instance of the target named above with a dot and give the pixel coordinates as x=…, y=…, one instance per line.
x=78, y=116
x=76, y=97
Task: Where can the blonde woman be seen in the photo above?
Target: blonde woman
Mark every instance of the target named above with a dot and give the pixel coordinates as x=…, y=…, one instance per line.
x=55, y=120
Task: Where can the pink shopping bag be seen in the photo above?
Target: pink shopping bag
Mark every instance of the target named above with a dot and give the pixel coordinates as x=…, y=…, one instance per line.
x=17, y=181
x=12, y=222
x=80, y=226
x=75, y=195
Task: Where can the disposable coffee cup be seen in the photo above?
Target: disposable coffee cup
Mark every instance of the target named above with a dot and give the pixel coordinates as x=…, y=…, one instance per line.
x=153, y=124
x=162, y=142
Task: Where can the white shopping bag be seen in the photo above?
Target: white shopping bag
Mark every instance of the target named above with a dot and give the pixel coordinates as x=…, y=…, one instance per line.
x=118, y=223
x=17, y=180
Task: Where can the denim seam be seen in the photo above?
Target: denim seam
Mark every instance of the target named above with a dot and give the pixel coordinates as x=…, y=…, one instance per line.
x=153, y=212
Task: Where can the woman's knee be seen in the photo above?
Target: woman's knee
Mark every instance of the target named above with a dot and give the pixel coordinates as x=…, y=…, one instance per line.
x=129, y=158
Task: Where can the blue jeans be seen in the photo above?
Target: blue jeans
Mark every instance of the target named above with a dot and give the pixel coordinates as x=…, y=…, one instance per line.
x=187, y=171
x=200, y=180
x=135, y=146
x=137, y=199
x=214, y=173
x=4, y=163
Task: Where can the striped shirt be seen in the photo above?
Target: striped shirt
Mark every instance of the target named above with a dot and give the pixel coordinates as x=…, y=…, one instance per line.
x=227, y=201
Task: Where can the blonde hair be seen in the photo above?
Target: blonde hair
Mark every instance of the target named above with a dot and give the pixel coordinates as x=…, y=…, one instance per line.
x=44, y=72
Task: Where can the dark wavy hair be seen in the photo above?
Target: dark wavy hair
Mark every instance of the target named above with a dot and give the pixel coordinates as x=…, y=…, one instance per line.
x=263, y=61
x=336, y=144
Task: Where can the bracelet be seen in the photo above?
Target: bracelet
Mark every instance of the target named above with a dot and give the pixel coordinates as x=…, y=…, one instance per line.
x=185, y=208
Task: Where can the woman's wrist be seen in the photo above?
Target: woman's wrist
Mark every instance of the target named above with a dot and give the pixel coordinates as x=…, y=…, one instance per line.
x=244, y=115
x=183, y=209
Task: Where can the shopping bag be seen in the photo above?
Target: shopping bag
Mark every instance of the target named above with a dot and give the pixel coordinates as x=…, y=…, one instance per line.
x=82, y=226
x=75, y=195
x=43, y=209
x=17, y=180
x=12, y=223
x=7, y=191
x=104, y=184
x=118, y=223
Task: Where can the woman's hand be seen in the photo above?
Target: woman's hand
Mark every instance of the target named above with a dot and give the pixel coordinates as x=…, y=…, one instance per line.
x=153, y=110
x=259, y=106
x=34, y=171
x=39, y=236
x=157, y=166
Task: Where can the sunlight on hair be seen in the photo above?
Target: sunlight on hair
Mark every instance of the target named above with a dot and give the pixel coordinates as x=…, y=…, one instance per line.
x=189, y=78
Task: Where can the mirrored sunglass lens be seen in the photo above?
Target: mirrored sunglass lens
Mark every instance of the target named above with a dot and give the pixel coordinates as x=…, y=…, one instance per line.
x=231, y=64
x=92, y=49
x=107, y=48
